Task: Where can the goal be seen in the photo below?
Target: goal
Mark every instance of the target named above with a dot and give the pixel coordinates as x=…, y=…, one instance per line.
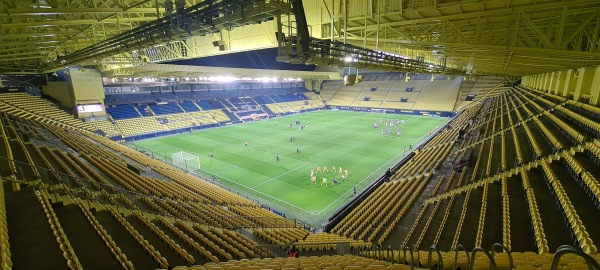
x=374, y=111
x=186, y=161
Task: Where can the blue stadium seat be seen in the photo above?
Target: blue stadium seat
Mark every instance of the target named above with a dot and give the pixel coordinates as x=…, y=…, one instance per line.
x=122, y=112
x=169, y=108
x=189, y=106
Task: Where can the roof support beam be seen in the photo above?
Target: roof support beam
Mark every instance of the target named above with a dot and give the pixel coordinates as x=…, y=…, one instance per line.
x=526, y=38
x=72, y=22
x=489, y=13
x=549, y=53
x=560, y=29
x=22, y=58
x=538, y=33
x=459, y=32
x=579, y=28
x=61, y=11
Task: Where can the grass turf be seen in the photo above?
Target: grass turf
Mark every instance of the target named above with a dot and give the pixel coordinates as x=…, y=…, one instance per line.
x=331, y=138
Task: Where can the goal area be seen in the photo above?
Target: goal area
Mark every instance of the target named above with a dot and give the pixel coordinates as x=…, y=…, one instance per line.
x=186, y=161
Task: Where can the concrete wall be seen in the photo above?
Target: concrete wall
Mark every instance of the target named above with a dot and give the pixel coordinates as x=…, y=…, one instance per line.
x=82, y=86
x=59, y=91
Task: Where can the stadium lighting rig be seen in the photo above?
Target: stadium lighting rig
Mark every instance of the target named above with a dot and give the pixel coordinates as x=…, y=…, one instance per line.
x=206, y=17
x=334, y=53
x=298, y=47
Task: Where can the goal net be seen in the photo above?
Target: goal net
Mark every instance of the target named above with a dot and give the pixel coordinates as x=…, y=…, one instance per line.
x=374, y=110
x=186, y=161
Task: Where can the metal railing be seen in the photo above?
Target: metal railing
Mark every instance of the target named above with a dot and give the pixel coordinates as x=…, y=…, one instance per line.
x=467, y=261
x=305, y=249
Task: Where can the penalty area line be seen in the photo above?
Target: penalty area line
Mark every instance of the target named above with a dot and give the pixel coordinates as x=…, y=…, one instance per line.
x=295, y=169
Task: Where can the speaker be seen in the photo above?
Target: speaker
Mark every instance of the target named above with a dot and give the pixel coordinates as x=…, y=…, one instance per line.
x=404, y=99
x=220, y=44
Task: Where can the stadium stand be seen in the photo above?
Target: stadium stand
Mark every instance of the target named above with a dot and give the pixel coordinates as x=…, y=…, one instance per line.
x=314, y=100
x=330, y=88
x=228, y=115
x=206, y=105
x=144, y=110
x=180, y=121
x=168, y=108
x=477, y=87
x=345, y=95
x=220, y=115
x=203, y=118
x=143, y=125
x=191, y=114
x=420, y=94
x=438, y=96
x=33, y=107
x=263, y=100
x=122, y=112
x=4, y=246
x=106, y=126
x=189, y=106
x=454, y=192
x=508, y=179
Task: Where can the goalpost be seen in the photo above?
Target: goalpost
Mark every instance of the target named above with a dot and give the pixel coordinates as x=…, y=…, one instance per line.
x=186, y=161
x=375, y=110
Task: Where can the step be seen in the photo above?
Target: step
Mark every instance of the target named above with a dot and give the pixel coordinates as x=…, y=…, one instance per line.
x=29, y=233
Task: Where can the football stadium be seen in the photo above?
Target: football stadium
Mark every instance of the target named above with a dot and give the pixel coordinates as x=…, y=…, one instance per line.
x=300, y=134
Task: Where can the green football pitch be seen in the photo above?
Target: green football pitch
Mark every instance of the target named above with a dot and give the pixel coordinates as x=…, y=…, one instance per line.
x=330, y=138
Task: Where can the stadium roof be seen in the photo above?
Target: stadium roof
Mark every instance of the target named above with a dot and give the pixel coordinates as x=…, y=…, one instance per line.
x=512, y=37
x=166, y=70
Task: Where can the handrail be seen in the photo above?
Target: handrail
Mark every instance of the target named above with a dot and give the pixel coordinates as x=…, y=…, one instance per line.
x=440, y=264
x=414, y=247
x=508, y=252
x=492, y=261
x=564, y=249
x=412, y=258
x=279, y=250
x=459, y=247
